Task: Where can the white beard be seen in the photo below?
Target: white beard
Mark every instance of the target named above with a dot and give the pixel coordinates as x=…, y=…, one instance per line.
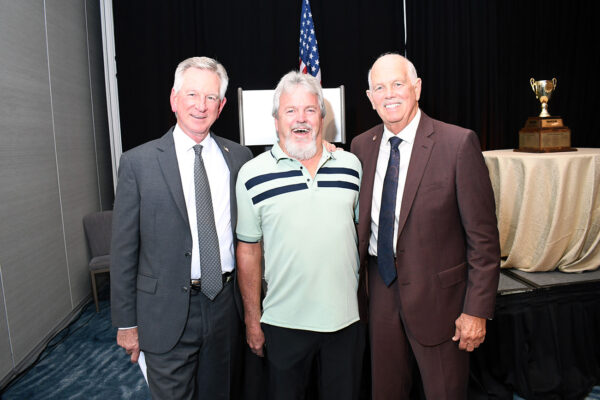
x=301, y=151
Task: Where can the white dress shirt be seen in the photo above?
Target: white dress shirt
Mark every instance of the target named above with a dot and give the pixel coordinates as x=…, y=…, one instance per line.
x=408, y=139
x=218, y=178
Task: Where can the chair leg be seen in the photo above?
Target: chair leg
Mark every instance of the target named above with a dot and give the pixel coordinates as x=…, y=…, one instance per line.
x=95, y=290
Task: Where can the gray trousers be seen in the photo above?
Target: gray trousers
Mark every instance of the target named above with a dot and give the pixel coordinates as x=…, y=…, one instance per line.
x=202, y=365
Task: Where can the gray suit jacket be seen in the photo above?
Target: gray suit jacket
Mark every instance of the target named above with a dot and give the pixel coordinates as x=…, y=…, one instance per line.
x=151, y=241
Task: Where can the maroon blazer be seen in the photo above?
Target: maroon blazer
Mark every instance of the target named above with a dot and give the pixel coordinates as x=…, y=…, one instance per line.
x=448, y=252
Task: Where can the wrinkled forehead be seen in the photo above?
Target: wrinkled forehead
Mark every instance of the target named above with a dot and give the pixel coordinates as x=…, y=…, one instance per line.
x=201, y=78
x=298, y=95
x=389, y=70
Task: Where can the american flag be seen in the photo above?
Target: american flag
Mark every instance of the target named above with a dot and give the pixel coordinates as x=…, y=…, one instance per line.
x=309, y=53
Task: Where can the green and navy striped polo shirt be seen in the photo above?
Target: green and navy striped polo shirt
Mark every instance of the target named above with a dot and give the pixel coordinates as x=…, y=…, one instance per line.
x=310, y=242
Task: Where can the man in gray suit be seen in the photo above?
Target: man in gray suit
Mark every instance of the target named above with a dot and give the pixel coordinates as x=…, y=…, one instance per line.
x=172, y=261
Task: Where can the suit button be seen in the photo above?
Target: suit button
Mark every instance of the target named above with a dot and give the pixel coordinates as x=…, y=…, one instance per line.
x=184, y=289
x=188, y=253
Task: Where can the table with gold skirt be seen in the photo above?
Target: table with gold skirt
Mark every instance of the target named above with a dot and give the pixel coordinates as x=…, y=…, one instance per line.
x=548, y=208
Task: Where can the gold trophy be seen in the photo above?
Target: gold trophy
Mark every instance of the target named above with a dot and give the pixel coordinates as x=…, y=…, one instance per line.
x=543, y=91
x=544, y=133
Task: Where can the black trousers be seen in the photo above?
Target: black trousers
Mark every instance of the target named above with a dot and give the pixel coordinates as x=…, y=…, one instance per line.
x=291, y=354
x=202, y=365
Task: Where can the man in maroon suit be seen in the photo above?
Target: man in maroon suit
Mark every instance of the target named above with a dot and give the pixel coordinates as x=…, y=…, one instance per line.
x=428, y=240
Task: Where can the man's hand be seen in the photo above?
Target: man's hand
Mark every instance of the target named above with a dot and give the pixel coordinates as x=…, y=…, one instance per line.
x=330, y=147
x=128, y=339
x=249, y=273
x=470, y=332
x=255, y=338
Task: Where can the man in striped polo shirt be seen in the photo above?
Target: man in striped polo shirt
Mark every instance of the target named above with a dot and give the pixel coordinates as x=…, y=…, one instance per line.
x=301, y=201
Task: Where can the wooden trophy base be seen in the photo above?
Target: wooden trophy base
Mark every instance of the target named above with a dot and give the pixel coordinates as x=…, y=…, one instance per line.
x=544, y=135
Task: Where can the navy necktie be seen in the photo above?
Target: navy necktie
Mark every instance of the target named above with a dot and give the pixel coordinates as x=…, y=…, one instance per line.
x=387, y=216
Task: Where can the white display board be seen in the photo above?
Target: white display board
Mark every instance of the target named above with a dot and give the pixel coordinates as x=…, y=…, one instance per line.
x=257, y=127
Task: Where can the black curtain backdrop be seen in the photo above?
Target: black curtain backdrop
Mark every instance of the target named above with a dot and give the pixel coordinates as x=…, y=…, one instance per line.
x=475, y=58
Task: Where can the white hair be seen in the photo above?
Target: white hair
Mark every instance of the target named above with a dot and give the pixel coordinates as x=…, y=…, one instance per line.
x=205, y=63
x=296, y=78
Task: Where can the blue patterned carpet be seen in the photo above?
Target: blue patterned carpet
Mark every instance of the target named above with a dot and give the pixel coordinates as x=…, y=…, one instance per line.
x=594, y=395
x=82, y=362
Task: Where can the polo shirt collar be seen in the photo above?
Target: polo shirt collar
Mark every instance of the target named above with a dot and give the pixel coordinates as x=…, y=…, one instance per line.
x=279, y=154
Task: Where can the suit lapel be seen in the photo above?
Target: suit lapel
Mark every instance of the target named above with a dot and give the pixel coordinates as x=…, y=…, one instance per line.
x=371, y=154
x=229, y=160
x=224, y=150
x=418, y=163
x=167, y=159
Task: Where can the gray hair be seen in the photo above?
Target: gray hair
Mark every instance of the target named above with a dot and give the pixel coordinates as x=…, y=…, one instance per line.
x=205, y=63
x=296, y=78
x=412, y=71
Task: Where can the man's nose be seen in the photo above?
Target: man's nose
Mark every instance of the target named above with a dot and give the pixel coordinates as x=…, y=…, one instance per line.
x=302, y=116
x=200, y=103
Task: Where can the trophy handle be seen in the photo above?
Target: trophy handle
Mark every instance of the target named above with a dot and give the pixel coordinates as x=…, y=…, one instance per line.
x=531, y=82
x=554, y=83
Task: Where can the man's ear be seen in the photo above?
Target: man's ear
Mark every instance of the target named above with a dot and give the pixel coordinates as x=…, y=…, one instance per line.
x=222, y=105
x=276, y=127
x=370, y=99
x=417, y=86
x=173, y=100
